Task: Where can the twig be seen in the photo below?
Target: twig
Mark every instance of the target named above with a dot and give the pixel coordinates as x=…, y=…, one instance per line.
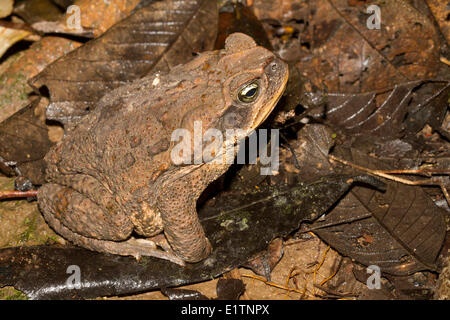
x=427, y=172
x=437, y=181
x=292, y=275
x=335, y=294
x=272, y=283
x=17, y=194
x=288, y=145
x=320, y=265
x=329, y=278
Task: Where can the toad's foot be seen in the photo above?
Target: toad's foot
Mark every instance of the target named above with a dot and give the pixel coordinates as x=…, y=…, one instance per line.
x=132, y=247
x=144, y=247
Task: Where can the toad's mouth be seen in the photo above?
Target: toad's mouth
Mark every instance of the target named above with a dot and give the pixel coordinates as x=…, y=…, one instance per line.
x=264, y=112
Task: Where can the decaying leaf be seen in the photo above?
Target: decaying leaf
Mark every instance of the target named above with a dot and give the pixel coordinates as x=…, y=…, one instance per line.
x=18, y=134
x=401, y=230
x=440, y=10
x=336, y=50
x=24, y=142
x=235, y=17
x=32, y=11
x=311, y=150
x=154, y=38
x=19, y=68
x=388, y=114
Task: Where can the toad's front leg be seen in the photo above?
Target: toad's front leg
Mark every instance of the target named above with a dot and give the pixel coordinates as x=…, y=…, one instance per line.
x=180, y=189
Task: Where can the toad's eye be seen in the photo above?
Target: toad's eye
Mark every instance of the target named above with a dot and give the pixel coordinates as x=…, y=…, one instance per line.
x=249, y=92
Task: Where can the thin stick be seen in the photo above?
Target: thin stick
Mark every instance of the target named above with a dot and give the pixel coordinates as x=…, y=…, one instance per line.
x=320, y=265
x=17, y=194
x=377, y=172
x=418, y=171
x=381, y=173
x=333, y=293
x=290, y=275
x=272, y=283
x=329, y=278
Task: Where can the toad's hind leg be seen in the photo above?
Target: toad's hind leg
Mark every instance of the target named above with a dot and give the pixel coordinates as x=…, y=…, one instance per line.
x=63, y=206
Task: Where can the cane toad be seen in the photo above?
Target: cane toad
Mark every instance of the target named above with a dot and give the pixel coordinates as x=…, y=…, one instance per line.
x=113, y=177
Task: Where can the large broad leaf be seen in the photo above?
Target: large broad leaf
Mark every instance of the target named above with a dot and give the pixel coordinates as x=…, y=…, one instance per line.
x=24, y=142
x=335, y=46
x=154, y=38
x=439, y=10
x=239, y=225
x=390, y=113
x=17, y=69
x=235, y=17
x=401, y=230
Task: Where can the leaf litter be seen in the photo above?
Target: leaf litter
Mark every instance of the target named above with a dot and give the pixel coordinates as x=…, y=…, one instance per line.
x=401, y=86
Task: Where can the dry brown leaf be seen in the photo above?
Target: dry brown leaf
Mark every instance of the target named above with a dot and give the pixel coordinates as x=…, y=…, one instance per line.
x=401, y=230
x=235, y=17
x=32, y=11
x=338, y=51
x=441, y=12
x=96, y=15
x=17, y=69
x=24, y=141
x=404, y=109
x=100, y=15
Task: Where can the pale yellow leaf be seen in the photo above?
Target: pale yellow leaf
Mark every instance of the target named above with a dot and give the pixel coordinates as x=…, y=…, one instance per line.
x=10, y=36
x=6, y=7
